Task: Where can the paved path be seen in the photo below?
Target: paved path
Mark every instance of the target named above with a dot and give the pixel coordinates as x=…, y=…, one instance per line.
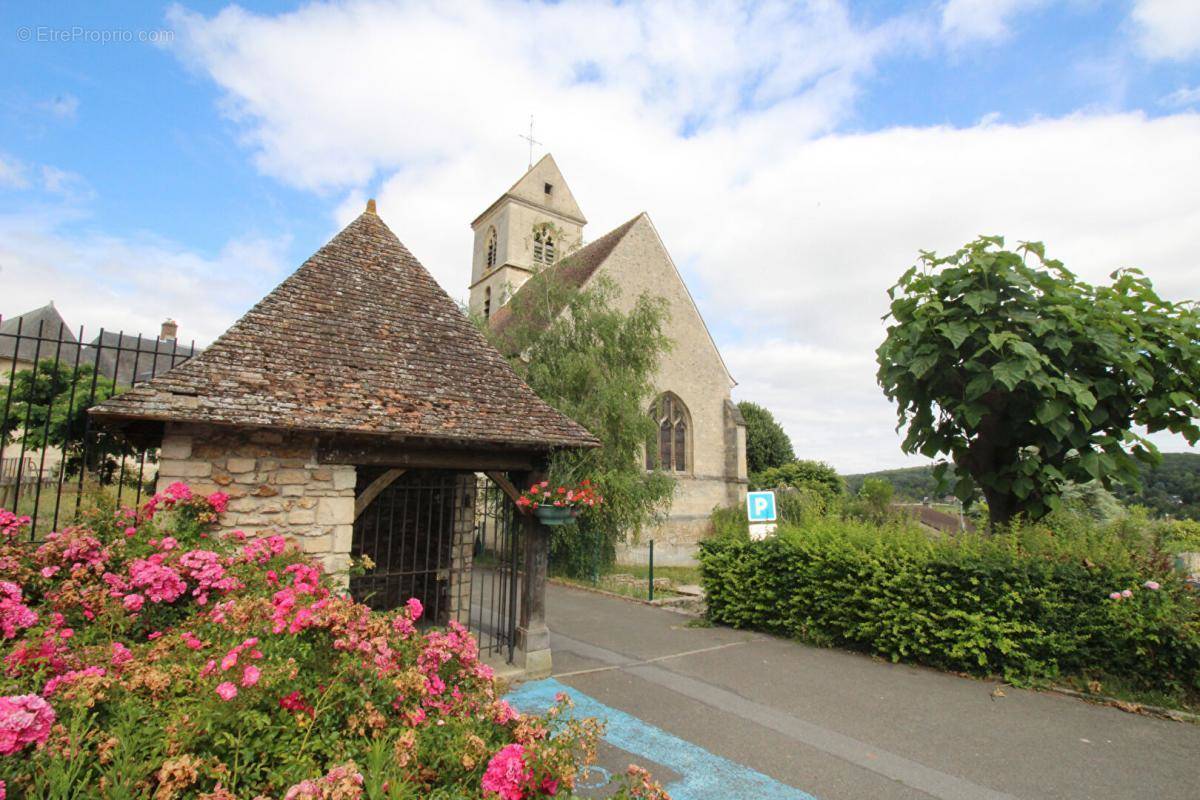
x=727, y=714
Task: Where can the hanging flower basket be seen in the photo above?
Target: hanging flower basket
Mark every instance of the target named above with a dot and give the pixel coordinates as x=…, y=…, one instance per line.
x=558, y=505
x=551, y=515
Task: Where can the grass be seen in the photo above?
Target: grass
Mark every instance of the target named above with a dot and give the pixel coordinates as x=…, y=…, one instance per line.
x=678, y=576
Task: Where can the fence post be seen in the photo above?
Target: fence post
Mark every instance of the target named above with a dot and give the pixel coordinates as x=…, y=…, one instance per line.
x=652, y=570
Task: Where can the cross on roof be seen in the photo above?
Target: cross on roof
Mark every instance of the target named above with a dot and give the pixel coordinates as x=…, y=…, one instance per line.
x=531, y=141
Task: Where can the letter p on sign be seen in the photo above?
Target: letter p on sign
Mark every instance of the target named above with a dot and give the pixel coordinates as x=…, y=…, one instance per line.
x=760, y=506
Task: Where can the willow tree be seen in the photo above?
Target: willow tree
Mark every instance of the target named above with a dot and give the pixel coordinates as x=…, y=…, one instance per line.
x=593, y=361
x=1029, y=378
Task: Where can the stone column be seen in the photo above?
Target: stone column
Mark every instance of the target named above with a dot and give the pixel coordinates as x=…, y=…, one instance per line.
x=533, y=637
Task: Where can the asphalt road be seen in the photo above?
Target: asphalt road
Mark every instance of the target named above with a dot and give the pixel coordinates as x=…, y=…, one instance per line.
x=727, y=714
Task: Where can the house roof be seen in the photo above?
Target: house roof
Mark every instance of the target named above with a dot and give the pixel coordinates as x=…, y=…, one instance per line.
x=129, y=359
x=572, y=271
x=44, y=324
x=359, y=340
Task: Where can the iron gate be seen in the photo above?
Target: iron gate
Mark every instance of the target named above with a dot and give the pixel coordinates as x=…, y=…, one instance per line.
x=449, y=539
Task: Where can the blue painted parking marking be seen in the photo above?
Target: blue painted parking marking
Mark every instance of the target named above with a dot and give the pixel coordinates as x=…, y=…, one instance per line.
x=705, y=776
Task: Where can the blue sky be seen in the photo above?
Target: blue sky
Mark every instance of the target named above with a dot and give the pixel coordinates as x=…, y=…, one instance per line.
x=186, y=176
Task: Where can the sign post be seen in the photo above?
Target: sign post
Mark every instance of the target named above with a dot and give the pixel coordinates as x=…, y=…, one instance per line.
x=760, y=510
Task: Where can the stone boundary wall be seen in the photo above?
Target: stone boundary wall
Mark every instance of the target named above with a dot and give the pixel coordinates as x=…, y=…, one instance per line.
x=274, y=483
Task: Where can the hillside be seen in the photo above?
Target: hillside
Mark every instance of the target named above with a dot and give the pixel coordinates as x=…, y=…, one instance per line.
x=1172, y=488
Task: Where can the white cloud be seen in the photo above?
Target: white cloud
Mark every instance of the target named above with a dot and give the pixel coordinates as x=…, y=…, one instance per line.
x=63, y=106
x=12, y=173
x=1182, y=97
x=1168, y=29
x=723, y=126
x=967, y=21
x=130, y=284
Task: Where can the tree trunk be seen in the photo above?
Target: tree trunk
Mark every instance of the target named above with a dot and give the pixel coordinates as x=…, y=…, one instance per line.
x=1001, y=508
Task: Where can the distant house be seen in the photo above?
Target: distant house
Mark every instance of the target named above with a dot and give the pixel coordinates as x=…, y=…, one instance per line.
x=121, y=357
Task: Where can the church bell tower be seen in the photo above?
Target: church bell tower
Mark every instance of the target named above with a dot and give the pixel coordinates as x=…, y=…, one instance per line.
x=527, y=229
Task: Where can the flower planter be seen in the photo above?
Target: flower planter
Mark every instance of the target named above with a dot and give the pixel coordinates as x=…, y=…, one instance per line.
x=555, y=515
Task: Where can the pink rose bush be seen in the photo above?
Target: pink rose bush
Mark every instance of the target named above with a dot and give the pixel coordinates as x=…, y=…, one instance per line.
x=143, y=655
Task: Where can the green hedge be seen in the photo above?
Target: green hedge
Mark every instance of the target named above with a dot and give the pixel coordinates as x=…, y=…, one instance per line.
x=1026, y=606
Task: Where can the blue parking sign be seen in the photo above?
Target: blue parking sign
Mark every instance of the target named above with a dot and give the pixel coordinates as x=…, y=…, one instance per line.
x=760, y=506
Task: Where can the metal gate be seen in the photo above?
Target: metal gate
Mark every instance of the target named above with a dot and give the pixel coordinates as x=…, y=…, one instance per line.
x=449, y=539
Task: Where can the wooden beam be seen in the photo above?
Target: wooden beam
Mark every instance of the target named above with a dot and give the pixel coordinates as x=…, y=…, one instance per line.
x=373, y=489
x=399, y=456
x=506, y=486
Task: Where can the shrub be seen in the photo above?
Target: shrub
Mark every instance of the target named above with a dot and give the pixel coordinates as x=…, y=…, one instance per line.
x=144, y=657
x=815, y=475
x=1030, y=604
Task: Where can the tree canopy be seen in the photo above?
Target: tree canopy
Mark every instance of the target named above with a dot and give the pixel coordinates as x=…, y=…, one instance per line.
x=1028, y=377
x=767, y=444
x=48, y=408
x=815, y=475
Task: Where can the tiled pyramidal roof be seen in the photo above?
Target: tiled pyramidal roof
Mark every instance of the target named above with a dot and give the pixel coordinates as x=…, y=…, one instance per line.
x=360, y=339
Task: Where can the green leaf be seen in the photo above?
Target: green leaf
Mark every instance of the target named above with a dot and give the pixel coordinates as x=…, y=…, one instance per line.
x=1009, y=373
x=956, y=331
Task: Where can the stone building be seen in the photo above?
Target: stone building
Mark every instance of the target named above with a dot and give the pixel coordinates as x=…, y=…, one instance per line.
x=355, y=377
x=537, y=225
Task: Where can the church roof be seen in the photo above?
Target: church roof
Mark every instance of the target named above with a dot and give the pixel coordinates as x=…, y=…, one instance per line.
x=360, y=339
x=574, y=271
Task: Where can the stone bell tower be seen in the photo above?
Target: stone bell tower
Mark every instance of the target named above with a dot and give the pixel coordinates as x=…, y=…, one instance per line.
x=528, y=228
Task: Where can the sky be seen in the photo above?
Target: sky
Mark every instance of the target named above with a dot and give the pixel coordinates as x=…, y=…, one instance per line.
x=180, y=160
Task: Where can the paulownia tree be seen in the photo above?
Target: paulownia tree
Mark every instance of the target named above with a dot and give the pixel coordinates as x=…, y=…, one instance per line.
x=1028, y=377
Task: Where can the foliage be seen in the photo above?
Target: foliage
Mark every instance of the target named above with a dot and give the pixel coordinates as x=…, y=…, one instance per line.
x=594, y=362
x=1171, y=488
x=1092, y=499
x=913, y=484
x=144, y=657
x=49, y=408
x=767, y=444
x=875, y=497
x=1031, y=603
x=815, y=475
x=577, y=496
x=1028, y=377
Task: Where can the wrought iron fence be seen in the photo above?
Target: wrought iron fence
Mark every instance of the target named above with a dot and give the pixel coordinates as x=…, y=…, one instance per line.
x=50, y=454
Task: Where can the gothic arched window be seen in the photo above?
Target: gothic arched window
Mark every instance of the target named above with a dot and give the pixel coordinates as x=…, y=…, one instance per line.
x=487, y=303
x=543, y=247
x=673, y=443
x=490, y=258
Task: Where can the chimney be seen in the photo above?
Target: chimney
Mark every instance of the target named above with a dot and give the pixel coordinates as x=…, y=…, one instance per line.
x=170, y=329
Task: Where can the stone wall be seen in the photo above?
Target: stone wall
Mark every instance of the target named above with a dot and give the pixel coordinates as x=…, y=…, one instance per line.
x=274, y=482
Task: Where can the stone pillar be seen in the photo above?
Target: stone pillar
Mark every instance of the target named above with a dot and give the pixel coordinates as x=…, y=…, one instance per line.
x=462, y=549
x=533, y=637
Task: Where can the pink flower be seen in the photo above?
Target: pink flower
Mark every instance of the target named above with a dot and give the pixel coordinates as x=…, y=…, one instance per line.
x=133, y=602
x=48, y=572
x=250, y=676
x=24, y=719
x=227, y=691
x=1127, y=593
x=14, y=614
x=130, y=532
x=120, y=654
x=1152, y=585
x=1114, y=596
x=507, y=774
x=218, y=501
x=415, y=609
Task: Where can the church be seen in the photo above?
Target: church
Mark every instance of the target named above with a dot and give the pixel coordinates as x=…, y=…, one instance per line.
x=536, y=225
